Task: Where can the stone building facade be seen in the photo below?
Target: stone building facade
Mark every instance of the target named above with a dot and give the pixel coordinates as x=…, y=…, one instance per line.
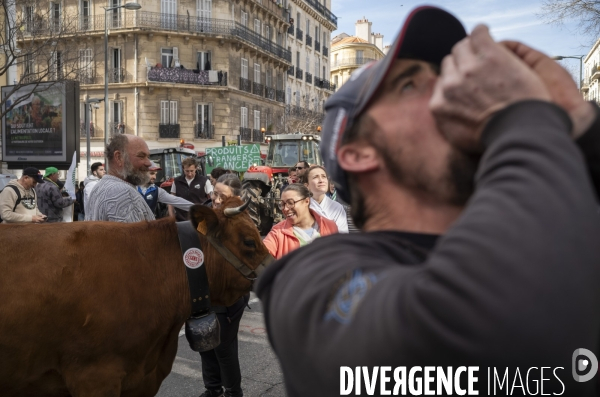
x=197, y=70
x=349, y=53
x=308, y=85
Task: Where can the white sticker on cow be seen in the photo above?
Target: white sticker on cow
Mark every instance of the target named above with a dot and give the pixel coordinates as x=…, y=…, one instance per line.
x=193, y=258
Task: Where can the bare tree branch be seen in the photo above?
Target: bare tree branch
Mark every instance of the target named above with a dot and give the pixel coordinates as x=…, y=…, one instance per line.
x=586, y=14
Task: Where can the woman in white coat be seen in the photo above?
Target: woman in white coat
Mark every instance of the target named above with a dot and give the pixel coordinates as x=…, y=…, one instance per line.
x=317, y=182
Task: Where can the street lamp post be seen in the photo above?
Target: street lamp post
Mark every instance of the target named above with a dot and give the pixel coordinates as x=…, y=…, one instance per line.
x=580, y=57
x=87, y=119
x=127, y=6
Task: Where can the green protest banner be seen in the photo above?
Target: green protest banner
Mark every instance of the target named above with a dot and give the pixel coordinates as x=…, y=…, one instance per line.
x=237, y=158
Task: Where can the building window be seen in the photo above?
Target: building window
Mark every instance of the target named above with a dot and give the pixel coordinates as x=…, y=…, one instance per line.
x=244, y=68
x=85, y=64
x=288, y=95
x=29, y=19
x=335, y=80
x=244, y=18
x=166, y=57
x=269, y=78
x=298, y=17
x=85, y=14
x=203, y=117
x=257, y=73
x=257, y=26
x=204, y=8
x=168, y=112
x=56, y=66
x=359, y=57
x=29, y=65
x=317, y=67
x=204, y=61
x=298, y=59
x=268, y=32
x=257, y=119
x=55, y=16
x=244, y=118
x=308, y=26
x=307, y=64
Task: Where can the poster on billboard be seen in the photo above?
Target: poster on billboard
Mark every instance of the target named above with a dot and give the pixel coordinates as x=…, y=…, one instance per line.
x=41, y=127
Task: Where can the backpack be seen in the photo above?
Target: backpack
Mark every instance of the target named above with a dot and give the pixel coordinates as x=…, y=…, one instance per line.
x=16, y=189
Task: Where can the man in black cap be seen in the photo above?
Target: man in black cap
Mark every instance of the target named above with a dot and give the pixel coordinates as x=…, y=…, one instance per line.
x=480, y=227
x=18, y=201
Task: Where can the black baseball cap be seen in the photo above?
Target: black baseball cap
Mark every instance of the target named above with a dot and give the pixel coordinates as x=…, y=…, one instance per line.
x=34, y=173
x=428, y=34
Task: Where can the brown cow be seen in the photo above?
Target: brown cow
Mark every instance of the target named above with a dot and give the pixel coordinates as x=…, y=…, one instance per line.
x=94, y=308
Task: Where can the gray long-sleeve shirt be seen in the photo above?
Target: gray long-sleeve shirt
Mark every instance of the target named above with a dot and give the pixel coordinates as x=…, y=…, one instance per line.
x=118, y=201
x=514, y=283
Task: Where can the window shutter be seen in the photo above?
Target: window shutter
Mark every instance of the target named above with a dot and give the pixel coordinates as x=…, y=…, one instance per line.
x=176, y=56
x=173, y=114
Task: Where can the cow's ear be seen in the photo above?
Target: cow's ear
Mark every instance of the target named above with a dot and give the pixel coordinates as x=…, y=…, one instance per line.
x=204, y=219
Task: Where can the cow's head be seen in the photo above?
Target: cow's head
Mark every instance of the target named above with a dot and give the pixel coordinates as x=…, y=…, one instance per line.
x=235, y=231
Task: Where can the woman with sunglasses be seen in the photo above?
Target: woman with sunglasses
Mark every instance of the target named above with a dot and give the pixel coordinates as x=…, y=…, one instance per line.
x=317, y=182
x=301, y=225
x=227, y=185
x=221, y=366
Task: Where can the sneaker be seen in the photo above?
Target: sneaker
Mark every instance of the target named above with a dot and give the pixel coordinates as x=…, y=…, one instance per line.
x=212, y=393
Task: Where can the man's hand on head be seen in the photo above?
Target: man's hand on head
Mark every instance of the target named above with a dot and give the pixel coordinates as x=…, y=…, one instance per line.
x=478, y=79
x=559, y=84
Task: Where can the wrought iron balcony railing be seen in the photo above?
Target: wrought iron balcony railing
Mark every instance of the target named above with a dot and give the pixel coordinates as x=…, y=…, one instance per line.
x=116, y=127
x=86, y=77
x=246, y=134
x=299, y=34
x=168, y=130
x=117, y=75
x=299, y=73
x=280, y=96
x=309, y=78
x=257, y=136
x=187, y=76
x=270, y=93
x=317, y=46
x=308, y=40
x=321, y=9
x=258, y=89
x=82, y=131
x=147, y=20
x=245, y=85
x=297, y=111
x=325, y=84
x=353, y=61
x=291, y=30
x=325, y=51
x=204, y=131
x=290, y=71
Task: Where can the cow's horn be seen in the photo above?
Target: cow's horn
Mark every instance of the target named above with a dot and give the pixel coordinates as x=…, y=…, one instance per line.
x=237, y=210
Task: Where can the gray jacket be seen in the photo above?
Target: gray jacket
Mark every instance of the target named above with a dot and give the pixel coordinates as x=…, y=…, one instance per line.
x=50, y=201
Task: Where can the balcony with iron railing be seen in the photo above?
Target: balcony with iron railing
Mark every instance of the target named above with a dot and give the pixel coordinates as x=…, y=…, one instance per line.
x=246, y=134
x=325, y=51
x=309, y=78
x=275, y=7
x=324, y=84
x=258, y=89
x=187, y=76
x=168, y=130
x=83, y=132
x=299, y=34
x=116, y=127
x=353, y=61
x=270, y=93
x=204, y=131
x=257, y=136
x=324, y=11
x=152, y=21
x=317, y=45
x=299, y=73
x=118, y=75
x=86, y=77
x=297, y=111
x=245, y=85
x=290, y=71
x=280, y=96
x=308, y=40
x=291, y=30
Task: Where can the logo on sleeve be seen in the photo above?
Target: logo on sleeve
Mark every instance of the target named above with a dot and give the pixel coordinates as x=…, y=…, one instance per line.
x=346, y=299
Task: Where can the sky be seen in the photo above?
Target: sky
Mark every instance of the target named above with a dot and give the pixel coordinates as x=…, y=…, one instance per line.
x=507, y=19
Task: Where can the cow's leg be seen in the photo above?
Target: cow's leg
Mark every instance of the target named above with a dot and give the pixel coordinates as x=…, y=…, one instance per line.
x=96, y=381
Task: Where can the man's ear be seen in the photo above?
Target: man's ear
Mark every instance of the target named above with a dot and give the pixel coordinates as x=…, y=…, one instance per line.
x=204, y=219
x=358, y=157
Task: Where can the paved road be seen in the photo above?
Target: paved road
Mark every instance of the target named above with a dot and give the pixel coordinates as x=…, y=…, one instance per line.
x=261, y=375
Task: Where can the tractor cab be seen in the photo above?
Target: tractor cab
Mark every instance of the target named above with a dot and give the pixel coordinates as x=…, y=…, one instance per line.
x=170, y=161
x=286, y=150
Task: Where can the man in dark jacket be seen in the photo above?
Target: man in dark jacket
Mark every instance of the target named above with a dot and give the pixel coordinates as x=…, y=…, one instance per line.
x=191, y=186
x=478, y=257
x=50, y=200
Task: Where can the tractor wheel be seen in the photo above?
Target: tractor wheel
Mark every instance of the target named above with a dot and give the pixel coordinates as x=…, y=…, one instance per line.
x=258, y=212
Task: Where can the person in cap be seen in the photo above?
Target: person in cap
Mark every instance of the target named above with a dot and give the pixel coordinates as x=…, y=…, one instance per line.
x=154, y=194
x=463, y=162
x=98, y=171
x=18, y=201
x=116, y=197
x=49, y=198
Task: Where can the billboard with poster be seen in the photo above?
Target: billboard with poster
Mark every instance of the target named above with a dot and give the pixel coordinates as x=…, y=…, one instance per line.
x=43, y=128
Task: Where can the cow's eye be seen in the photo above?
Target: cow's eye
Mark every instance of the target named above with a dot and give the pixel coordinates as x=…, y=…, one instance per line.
x=250, y=243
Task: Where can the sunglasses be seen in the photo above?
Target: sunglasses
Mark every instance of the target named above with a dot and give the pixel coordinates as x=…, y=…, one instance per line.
x=299, y=168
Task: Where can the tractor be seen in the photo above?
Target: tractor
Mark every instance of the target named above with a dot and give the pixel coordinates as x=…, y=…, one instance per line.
x=262, y=183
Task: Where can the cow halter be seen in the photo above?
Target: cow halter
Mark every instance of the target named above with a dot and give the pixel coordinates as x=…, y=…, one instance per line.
x=241, y=267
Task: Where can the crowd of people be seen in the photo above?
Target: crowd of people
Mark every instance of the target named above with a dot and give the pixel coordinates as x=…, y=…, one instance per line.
x=125, y=191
